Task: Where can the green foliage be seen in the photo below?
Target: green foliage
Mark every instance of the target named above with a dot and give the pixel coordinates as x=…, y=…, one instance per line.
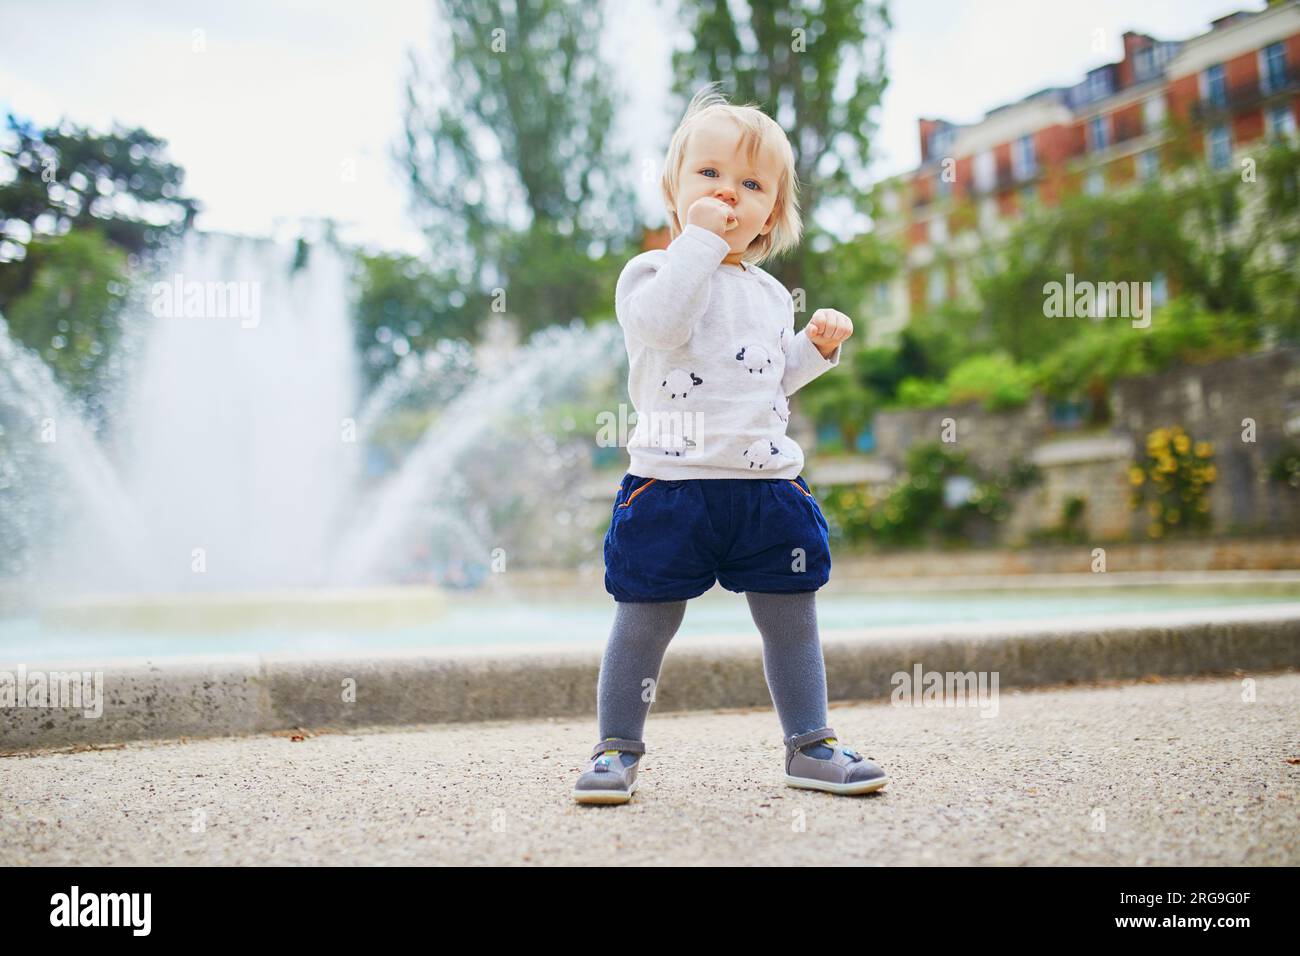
x=840, y=401
x=536, y=212
x=994, y=379
x=1285, y=468
x=119, y=184
x=914, y=510
x=1226, y=244
x=1070, y=529
x=78, y=210
x=70, y=314
x=924, y=350
x=404, y=307
x=922, y=393
x=1111, y=348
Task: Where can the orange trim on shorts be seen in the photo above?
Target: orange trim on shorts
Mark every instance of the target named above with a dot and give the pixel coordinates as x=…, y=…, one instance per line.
x=637, y=492
x=799, y=486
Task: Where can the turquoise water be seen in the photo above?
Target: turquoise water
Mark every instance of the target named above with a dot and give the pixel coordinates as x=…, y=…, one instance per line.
x=470, y=622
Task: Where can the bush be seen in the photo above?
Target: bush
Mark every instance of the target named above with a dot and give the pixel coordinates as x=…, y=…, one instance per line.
x=1173, y=480
x=994, y=379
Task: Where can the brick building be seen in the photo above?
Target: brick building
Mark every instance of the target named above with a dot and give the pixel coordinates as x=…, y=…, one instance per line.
x=1231, y=86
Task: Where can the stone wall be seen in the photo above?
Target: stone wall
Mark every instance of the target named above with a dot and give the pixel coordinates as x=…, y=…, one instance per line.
x=1208, y=401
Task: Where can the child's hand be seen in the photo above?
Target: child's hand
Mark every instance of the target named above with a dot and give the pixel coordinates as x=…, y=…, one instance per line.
x=827, y=329
x=711, y=214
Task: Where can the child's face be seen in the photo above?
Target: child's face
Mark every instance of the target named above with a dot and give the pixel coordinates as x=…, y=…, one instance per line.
x=714, y=165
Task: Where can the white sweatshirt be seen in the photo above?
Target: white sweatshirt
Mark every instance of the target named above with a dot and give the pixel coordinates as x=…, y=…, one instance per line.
x=712, y=358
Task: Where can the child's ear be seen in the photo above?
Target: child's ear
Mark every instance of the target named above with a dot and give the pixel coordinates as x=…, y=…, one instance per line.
x=771, y=221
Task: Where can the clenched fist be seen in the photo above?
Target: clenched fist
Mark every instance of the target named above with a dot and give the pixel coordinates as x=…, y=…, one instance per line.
x=827, y=329
x=711, y=214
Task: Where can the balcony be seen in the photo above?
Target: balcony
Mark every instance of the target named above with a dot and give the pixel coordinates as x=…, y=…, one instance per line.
x=1244, y=96
x=1126, y=131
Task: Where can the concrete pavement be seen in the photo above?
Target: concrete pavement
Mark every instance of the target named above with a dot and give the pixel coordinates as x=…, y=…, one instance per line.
x=1169, y=772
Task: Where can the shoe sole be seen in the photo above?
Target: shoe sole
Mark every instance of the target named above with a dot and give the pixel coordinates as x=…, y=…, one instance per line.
x=861, y=786
x=606, y=796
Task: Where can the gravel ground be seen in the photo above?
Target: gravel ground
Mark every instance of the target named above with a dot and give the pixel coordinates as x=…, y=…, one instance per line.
x=1154, y=773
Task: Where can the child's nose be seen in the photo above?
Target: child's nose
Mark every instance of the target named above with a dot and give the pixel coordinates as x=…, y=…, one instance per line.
x=726, y=194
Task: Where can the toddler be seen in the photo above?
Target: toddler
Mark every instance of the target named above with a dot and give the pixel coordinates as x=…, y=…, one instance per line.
x=714, y=491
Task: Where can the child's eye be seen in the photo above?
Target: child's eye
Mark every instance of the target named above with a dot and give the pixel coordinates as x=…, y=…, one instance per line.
x=709, y=169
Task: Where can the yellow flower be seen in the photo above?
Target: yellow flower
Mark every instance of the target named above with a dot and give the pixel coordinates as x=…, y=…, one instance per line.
x=1203, y=505
x=1209, y=473
x=1168, y=465
x=1155, y=530
x=1204, y=449
x=1135, y=476
x=1182, y=443
x=1153, y=509
x=1171, y=516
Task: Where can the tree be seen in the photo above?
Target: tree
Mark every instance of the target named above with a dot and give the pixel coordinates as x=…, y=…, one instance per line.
x=508, y=157
x=118, y=184
x=404, y=307
x=792, y=63
x=1226, y=242
x=70, y=315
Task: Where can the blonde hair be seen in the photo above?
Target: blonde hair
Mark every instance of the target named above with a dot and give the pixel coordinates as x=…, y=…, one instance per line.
x=756, y=128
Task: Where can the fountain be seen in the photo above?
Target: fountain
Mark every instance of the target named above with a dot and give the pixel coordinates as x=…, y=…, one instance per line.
x=231, y=488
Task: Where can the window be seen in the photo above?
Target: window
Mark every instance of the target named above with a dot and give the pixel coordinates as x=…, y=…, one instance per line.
x=1095, y=183
x=1098, y=84
x=1219, y=147
x=1022, y=157
x=940, y=141
x=1281, y=121
x=1148, y=163
x=1143, y=63
x=1216, y=89
x=1153, y=112
x=938, y=285
x=1098, y=134
x=939, y=230
x=1272, y=69
x=985, y=171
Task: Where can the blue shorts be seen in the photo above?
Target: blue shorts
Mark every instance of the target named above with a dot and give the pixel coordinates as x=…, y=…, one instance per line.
x=670, y=540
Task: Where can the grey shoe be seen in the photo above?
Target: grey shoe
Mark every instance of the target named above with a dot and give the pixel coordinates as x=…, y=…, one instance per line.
x=607, y=780
x=842, y=772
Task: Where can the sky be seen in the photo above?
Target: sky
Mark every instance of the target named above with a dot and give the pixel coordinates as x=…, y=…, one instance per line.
x=281, y=110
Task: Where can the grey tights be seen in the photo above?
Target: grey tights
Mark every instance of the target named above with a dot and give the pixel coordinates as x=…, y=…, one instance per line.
x=792, y=661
